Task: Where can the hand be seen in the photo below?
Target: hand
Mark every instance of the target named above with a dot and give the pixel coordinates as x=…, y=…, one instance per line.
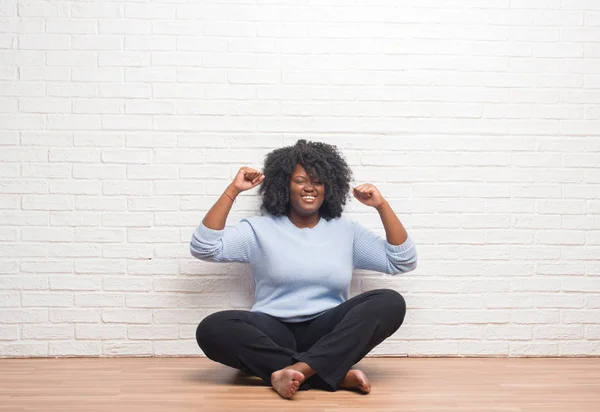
x=246, y=179
x=369, y=195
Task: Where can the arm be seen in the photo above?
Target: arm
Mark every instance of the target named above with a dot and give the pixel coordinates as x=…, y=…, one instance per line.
x=394, y=230
x=245, y=179
x=217, y=215
x=212, y=240
x=396, y=254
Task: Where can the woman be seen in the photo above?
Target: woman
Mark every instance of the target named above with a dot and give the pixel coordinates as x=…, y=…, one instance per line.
x=302, y=331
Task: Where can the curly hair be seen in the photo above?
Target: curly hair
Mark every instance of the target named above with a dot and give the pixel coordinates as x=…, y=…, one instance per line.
x=320, y=160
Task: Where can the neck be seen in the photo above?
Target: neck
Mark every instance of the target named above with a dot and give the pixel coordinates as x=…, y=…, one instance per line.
x=301, y=221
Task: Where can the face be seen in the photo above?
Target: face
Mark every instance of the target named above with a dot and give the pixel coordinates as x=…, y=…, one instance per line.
x=307, y=193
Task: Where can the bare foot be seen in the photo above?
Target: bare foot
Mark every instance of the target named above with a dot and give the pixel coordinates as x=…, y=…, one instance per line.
x=356, y=380
x=286, y=382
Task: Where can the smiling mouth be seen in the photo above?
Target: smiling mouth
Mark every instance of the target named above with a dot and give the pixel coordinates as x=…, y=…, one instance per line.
x=309, y=199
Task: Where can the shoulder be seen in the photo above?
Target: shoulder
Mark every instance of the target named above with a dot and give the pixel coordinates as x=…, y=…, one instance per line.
x=260, y=222
x=342, y=221
x=343, y=224
x=357, y=229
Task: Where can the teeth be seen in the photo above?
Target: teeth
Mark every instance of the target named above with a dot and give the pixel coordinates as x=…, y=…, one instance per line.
x=308, y=197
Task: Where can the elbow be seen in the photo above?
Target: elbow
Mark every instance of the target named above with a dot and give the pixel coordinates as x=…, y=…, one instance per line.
x=404, y=266
x=202, y=251
x=199, y=254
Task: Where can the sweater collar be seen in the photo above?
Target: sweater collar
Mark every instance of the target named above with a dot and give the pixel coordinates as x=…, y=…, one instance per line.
x=289, y=223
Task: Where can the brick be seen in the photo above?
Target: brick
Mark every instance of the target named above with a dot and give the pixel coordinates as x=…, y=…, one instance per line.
x=127, y=188
x=533, y=349
x=24, y=350
x=128, y=251
x=123, y=315
x=153, y=332
x=9, y=332
x=74, y=250
x=100, y=266
x=75, y=283
x=101, y=203
x=149, y=302
x=180, y=316
x=41, y=170
x=100, y=235
x=74, y=219
x=10, y=299
x=99, y=139
x=75, y=315
x=98, y=171
x=101, y=332
x=28, y=282
x=74, y=155
x=23, y=315
x=127, y=219
x=47, y=266
x=99, y=300
x=74, y=349
x=127, y=283
x=74, y=187
x=129, y=349
x=53, y=332
x=40, y=299
x=68, y=26
x=153, y=204
x=152, y=172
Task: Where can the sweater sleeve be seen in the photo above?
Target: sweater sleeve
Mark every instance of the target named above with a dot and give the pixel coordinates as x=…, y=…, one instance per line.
x=231, y=244
x=373, y=252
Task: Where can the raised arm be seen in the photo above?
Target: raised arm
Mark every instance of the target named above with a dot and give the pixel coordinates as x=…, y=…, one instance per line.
x=245, y=179
x=397, y=253
x=212, y=240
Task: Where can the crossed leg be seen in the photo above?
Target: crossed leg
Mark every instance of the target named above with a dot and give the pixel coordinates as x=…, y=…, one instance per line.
x=318, y=353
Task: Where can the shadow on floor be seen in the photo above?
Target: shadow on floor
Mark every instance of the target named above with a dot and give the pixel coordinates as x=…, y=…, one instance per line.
x=220, y=374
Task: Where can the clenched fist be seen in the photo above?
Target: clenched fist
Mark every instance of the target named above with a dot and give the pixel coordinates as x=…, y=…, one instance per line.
x=368, y=195
x=246, y=179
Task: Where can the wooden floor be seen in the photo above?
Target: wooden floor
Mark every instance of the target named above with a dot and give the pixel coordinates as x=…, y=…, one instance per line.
x=399, y=384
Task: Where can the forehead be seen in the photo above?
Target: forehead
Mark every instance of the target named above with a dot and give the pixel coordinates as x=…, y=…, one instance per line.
x=300, y=171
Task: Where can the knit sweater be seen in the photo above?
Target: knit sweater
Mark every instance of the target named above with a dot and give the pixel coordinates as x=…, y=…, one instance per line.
x=299, y=273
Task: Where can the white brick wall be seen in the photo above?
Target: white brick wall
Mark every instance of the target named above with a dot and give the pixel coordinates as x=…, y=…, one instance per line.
x=121, y=122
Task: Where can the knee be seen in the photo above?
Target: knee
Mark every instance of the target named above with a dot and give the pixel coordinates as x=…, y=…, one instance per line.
x=393, y=303
x=202, y=332
x=207, y=332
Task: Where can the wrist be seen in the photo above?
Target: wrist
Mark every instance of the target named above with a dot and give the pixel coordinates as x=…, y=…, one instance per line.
x=233, y=191
x=382, y=206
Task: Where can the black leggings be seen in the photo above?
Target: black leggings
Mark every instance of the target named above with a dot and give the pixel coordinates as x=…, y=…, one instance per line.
x=330, y=344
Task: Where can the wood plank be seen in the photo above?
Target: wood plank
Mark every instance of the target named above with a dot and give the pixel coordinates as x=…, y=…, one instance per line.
x=398, y=384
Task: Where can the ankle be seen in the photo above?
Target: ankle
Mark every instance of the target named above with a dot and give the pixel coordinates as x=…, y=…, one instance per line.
x=303, y=368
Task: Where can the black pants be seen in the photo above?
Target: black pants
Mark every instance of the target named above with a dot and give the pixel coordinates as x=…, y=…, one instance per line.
x=330, y=344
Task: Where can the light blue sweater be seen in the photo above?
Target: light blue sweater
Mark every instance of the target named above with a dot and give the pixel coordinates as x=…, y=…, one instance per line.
x=299, y=273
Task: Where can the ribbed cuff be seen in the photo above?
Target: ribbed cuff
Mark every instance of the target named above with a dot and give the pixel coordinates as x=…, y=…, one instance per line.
x=208, y=235
x=400, y=249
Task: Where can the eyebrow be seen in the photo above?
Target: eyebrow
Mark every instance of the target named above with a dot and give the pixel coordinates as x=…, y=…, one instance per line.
x=304, y=177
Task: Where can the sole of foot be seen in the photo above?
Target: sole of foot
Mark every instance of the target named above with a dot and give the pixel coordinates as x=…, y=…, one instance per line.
x=286, y=382
x=356, y=380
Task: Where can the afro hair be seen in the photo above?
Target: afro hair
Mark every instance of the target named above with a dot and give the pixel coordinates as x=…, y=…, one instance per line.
x=321, y=161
